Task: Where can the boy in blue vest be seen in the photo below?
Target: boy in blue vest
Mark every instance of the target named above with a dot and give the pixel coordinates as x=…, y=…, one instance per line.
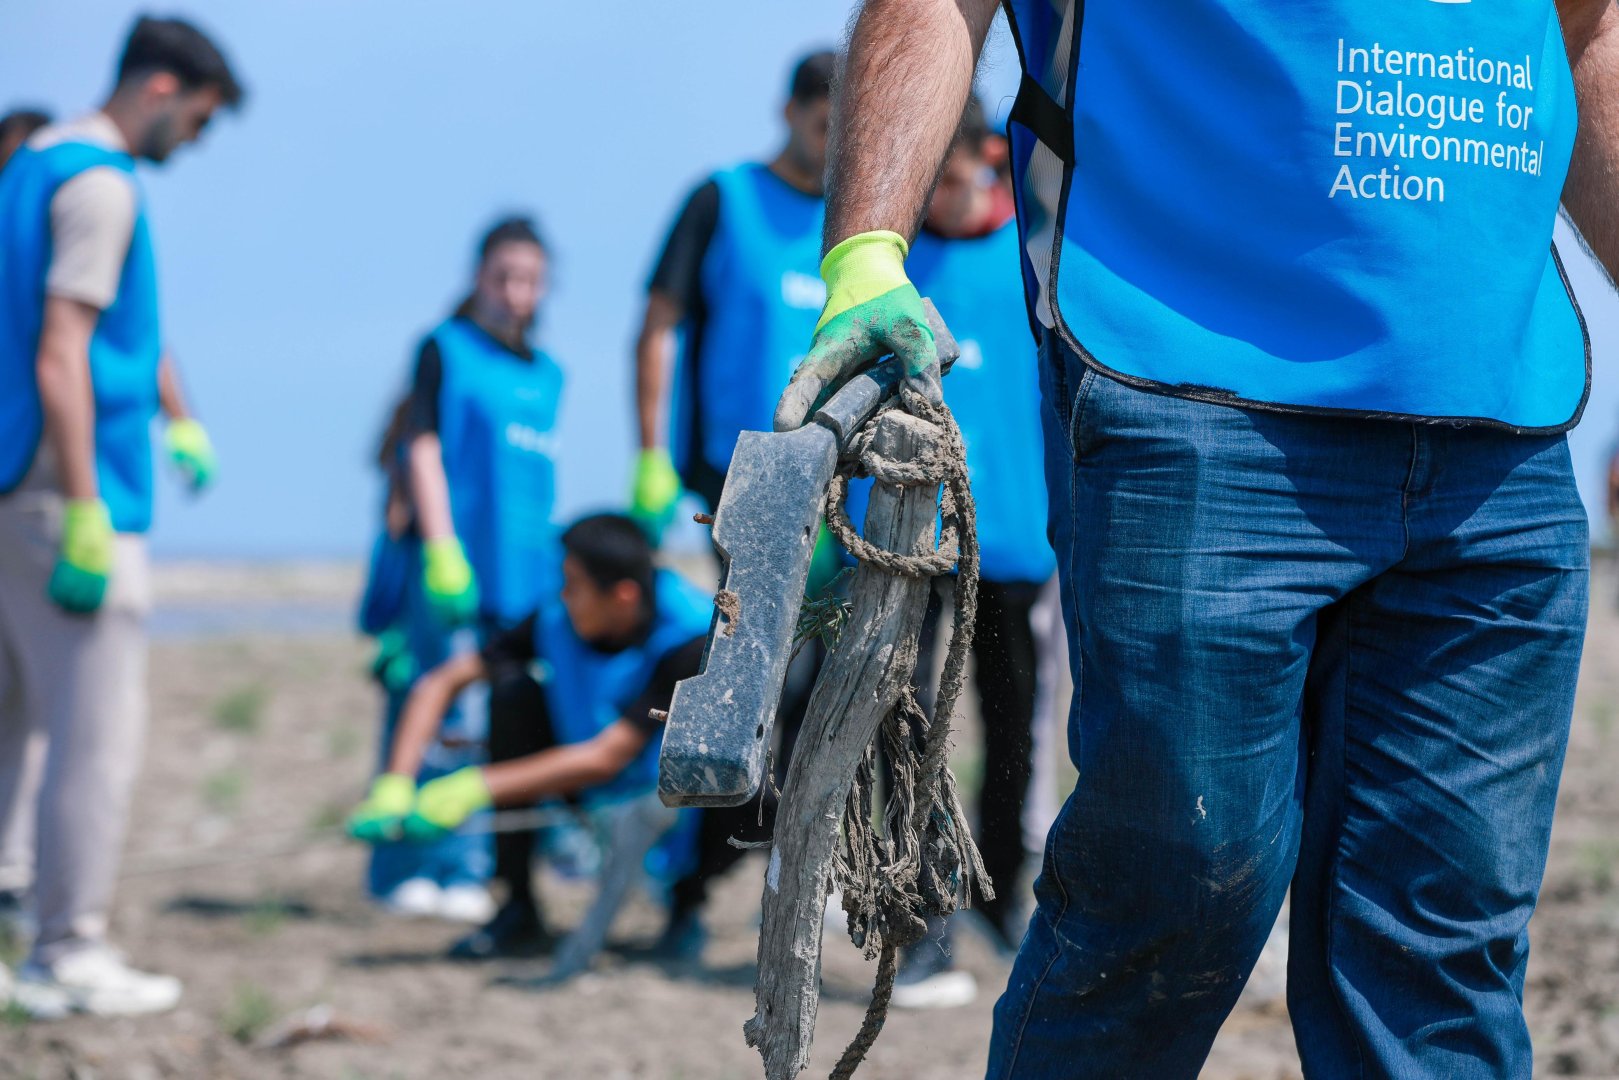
x=80, y=347
x=1307, y=363
x=577, y=696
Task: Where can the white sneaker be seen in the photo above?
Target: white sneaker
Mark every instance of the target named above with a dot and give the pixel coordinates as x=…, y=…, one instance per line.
x=946, y=990
x=417, y=897
x=95, y=980
x=466, y=904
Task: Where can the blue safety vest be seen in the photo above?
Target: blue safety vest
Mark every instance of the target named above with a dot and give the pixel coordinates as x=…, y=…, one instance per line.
x=1328, y=205
x=588, y=689
x=763, y=294
x=124, y=350
x=497, y=426
x=994, y=391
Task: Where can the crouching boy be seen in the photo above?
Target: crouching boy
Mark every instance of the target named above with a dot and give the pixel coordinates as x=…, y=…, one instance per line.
x=577, y=696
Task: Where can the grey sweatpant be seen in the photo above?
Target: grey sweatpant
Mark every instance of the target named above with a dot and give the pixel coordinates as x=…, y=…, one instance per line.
x=72, y=722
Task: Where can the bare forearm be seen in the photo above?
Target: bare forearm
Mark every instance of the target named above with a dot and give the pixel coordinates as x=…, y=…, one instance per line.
x=896, y=107
x=1591, y=195
x=429, y=488
x=654, y=349
x=651, y=351
x=66, y=397
x=424, y=711
x=558, y=771
x=170, y=392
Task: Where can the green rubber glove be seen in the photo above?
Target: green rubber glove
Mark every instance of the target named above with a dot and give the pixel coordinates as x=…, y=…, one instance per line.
x=451, y=591
x=394, y=667
x=872, y=309
x=191, y=453
x=381, y=817
x=443, y=805
x=655, y=492
x=84, y=561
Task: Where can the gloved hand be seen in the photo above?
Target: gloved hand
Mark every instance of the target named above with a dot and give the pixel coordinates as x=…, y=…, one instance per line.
x=79, y=581
x=443, y=805
x=393, y=666
x=447, y=576
x=871, y=309
x=655, y=492
x=191, y=452
x=381, y=817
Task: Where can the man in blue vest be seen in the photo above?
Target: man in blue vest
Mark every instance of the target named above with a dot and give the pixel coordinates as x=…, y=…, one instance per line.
x=1308, y=358
x=79, y=353
x=577, y=694
x=737, y=284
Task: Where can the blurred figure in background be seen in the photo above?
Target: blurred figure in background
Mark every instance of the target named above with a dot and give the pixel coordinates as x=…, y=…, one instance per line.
x=469, y=548
x=15, y=129
x=78, y=388
x=738, y=285
x=576, y=693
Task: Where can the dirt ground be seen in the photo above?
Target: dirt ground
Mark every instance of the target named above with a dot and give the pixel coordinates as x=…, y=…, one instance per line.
x=260, y=742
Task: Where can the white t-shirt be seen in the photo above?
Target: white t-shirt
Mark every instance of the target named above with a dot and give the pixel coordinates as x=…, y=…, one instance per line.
x=92, y=216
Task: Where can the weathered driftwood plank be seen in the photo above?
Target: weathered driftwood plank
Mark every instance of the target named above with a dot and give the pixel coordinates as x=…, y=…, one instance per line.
x=860, y=682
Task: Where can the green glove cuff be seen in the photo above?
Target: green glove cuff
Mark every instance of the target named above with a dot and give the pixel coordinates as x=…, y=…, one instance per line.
x=87, y=536
x=191, y=450
x=860, y=269
x=447, y=572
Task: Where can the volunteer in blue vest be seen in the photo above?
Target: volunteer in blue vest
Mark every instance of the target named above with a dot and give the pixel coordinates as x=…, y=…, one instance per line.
x=1308, y=360
x=579, y=685
x=736, y=289
x=80, y=344
x=965, y=258
x=476, y=457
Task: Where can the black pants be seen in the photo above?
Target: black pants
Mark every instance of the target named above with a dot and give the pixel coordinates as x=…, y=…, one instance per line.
x=1005, y=673
x=520, y=725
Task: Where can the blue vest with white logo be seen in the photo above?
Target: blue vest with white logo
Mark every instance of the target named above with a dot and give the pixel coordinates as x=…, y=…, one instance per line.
x=124, y=351
x=588, y=689
x=763, y=294
x=994, y=391
x=497, y=425
x=1328, y=205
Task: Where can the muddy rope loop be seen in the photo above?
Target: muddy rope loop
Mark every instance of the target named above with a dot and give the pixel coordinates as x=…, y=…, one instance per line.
x=922, y=861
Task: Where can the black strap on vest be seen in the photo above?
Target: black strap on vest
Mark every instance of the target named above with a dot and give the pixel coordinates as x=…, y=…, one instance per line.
x=1039, y=112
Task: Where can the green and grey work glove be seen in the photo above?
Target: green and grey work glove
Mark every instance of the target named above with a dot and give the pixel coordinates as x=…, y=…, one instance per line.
x=452, y=592
x=84, y=560
x=381, y=817
x=191, y=453
x=872, y=309
x=443, y=805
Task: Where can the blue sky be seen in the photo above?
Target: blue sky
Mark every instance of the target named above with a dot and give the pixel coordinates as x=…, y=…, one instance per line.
x=308, y=244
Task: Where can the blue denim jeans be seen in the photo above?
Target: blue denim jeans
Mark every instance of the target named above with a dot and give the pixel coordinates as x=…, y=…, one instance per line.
x=1331, y=655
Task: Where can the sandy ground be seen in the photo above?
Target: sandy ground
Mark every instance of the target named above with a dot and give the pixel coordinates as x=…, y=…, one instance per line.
x=261, y=741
